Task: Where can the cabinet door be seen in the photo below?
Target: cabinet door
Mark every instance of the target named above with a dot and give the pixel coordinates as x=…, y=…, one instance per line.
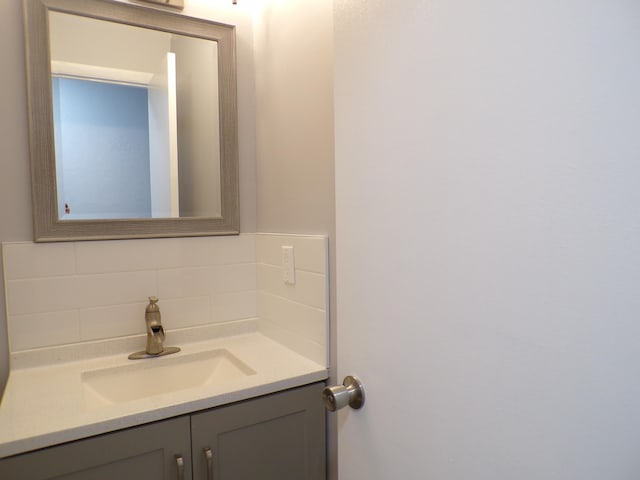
x=142, y=453
x=276, y=437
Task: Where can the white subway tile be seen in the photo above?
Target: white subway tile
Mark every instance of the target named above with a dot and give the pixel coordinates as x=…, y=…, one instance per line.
x=85, y=291
x=115, y=288
x=126, y=255
x=35, y=260
x=183, y=282
x=163, y=253
x=233, y=278
x=300, y=319
x=65, y=293
x=185, y=312
x=311, y=252
x=111, y=321
x=43, y=330
x=190, y=282
x=309, y=289
x=222, y=250
x=41, y=295
x=303, y=346
x=234, y=306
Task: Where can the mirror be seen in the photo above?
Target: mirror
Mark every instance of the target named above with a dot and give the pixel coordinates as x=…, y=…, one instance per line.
x=133, y=122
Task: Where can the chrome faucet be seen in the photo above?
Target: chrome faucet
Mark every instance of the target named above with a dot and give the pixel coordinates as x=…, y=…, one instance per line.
x=155, y=334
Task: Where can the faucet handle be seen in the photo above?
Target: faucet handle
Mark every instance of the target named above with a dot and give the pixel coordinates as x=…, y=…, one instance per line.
x=152, y=312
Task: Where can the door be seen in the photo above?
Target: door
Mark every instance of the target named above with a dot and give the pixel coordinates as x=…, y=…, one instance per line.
x=487, y=225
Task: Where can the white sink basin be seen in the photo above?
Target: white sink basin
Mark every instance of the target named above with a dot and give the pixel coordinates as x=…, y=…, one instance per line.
x=155, y=376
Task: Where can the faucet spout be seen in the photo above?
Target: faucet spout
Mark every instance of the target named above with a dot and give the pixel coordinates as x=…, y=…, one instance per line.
x=155, y=340
x=155, y=333
x=155, y=330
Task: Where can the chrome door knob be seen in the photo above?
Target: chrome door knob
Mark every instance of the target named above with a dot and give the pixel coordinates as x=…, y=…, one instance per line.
x=351, y=393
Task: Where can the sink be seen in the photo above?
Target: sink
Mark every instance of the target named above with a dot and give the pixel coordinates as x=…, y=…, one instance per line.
x=156, y=376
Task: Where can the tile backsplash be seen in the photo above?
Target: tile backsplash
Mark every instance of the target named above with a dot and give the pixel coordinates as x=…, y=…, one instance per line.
x=63, y=293
x=295, y=315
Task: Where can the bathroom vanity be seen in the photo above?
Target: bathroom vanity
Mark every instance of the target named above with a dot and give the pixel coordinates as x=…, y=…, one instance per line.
x=277, y=436
x=257, y=413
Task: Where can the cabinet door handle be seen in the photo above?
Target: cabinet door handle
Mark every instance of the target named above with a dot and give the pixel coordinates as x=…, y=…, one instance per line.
x=180, y=465
x=209, y=456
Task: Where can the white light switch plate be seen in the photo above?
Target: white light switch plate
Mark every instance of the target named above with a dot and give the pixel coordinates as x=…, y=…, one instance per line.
x=288, y=265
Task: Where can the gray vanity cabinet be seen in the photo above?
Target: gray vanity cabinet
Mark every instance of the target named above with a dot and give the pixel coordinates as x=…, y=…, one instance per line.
x=141, y=453
x=279, y=436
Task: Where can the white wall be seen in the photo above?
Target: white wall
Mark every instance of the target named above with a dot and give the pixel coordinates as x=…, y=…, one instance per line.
x=489, y=152
x=111, y=45
x=198, y=145
x=294, y=65
x=15, y=190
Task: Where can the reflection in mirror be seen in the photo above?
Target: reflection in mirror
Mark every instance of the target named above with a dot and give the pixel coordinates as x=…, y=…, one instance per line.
x=135, y=128
x=133, y=121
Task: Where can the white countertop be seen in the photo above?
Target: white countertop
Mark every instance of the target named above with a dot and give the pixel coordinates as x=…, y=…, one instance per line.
x=44, y=405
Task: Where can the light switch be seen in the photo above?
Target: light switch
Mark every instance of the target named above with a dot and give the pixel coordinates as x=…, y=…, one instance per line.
x=288, y=265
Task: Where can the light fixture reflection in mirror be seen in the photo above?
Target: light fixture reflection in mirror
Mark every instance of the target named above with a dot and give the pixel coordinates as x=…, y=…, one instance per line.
x=135, y=128
x=170, y=197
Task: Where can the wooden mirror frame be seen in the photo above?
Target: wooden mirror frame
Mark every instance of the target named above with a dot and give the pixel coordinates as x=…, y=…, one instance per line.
x=47, y=225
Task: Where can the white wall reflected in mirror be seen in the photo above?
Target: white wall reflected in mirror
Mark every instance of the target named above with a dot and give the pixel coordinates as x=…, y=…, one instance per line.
x=133, y=116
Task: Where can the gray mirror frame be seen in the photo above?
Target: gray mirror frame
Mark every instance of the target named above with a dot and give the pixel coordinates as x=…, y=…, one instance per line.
x=47, y=226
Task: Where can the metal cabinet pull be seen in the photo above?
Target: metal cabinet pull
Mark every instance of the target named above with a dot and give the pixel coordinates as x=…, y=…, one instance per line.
x=209, y=456
x=180, y=465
